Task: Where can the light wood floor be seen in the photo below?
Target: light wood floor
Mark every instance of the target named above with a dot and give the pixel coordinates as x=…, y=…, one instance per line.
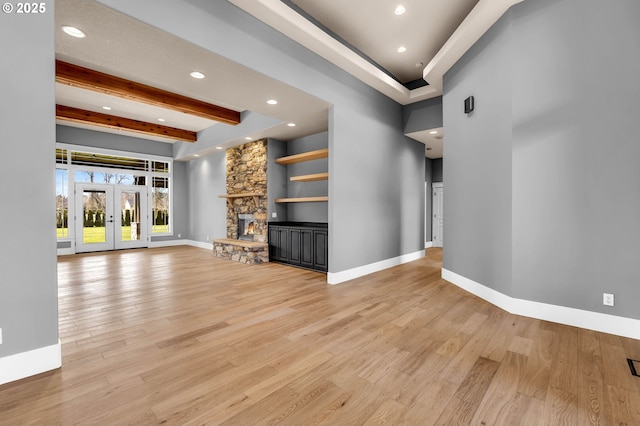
x=176, y=336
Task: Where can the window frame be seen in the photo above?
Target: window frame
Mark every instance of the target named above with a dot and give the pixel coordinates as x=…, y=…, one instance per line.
x=148, y=173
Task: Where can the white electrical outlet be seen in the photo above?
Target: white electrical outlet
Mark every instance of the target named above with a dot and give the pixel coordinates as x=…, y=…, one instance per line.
x=607, y=299
x=207, y=238
x=179, y=236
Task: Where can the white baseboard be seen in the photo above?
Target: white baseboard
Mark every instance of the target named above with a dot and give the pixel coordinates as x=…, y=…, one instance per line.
x=349, y=274
x=66, y=251
x=204, y=245
x=30, y=363
x=183, y=242
x=428, y=244
x=168, y=243
x=605, y=323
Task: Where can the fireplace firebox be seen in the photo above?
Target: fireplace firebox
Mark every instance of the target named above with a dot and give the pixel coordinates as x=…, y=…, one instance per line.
x=246, y=227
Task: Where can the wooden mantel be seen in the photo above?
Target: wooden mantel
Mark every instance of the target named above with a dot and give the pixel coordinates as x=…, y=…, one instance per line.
x=256, y=196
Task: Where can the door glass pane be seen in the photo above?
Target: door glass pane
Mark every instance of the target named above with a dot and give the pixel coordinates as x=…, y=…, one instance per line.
x=130, y=217
x=62, y=204
x=94, y=211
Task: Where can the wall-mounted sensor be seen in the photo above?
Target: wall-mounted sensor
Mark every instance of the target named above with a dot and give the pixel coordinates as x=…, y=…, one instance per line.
x=468, y=105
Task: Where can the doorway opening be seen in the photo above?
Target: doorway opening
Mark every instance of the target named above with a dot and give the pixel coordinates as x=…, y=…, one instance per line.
x=437, y=223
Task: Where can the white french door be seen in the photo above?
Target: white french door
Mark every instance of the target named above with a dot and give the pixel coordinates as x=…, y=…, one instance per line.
x=110, y=217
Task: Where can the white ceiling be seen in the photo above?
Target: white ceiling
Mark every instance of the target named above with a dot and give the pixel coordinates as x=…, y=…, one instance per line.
x=373, y=28
x=119, y=45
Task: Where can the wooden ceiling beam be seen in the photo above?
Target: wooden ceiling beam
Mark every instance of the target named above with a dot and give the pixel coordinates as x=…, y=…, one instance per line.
x=83, y=116
x=85, y=78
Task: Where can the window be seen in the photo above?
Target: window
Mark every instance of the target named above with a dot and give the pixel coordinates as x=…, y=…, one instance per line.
x=109, y=167
x=160, y=205
x=112, y=178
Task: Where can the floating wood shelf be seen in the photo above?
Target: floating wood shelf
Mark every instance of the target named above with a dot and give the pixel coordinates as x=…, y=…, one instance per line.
x=302, y=200
x=305, y=156
x=310, y=178
x=255, y=195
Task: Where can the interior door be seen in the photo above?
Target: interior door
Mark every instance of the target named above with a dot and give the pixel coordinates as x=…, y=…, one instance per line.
x=438, y=214
x=94, y=217
x=110, y=217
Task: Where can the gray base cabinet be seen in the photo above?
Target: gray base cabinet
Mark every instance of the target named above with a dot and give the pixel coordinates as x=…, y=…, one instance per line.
x=300, y=244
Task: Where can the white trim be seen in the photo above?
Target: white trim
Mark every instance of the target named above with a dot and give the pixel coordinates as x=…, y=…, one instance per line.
x=605, y=323
x=168, y=243
x=30, y=363
x=66, y=251
x=149, y=174
x=182, y=242
x=201, y=244
x=428, y=244
x=287, y=21
x=349, y=274
x=116, y=152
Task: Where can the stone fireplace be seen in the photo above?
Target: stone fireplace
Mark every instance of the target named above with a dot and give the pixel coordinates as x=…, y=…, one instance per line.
x=246, y=196
x=247, y=174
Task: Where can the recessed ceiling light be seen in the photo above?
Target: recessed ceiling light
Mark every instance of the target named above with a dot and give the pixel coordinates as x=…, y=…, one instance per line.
x=218, y=147
x=272, y=102
x=196, y=155
x=73, y=31
x=161, y=119
x=433, y=132
x=196, y=74
x=402, y=49
x=248, y=138
x=106, y=108
x=291, y=124
x=400, y=10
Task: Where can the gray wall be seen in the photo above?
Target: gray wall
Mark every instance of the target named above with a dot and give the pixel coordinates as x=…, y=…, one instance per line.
x=436, y=170
x=93, y=139
x=422, y=115
x=28, y=292
x=307, y=212
x=376, y=207
x=277, y=180
x=557, y=101
x=477, y=201
x=206, y=179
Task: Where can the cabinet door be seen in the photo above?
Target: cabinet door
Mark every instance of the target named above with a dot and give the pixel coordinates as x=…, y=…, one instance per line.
x=294, y=244
x=306, y=247
x=320, y=250
x=278, y=244
x=273, y=243
x=283, y=246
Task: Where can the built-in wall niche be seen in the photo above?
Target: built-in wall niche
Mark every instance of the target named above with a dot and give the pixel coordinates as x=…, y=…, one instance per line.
x=298, y=158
